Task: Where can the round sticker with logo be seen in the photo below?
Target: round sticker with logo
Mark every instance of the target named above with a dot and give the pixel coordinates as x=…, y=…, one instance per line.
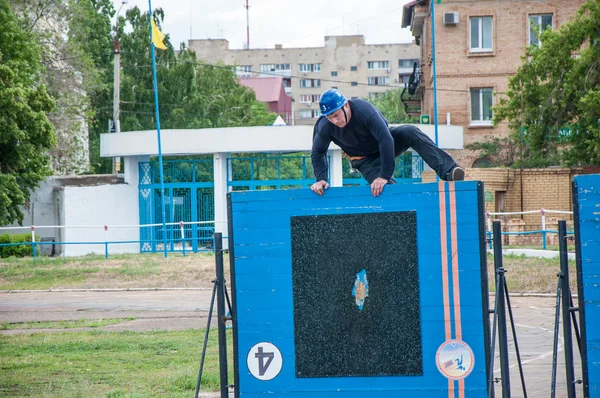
x=455, y=359
x=264, y=361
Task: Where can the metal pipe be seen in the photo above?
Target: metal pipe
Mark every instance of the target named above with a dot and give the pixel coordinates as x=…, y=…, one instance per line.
x=210, y=311
x=566, y=307
x=502, y=333
x=221, y=315
x=555, y=346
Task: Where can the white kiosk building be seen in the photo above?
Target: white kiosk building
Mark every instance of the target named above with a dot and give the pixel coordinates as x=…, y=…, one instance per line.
x=218, y=161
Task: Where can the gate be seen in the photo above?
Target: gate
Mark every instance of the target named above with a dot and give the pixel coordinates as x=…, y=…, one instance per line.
x=189, y=197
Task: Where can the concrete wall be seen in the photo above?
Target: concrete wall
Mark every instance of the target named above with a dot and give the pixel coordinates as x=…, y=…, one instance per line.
x=100, y=205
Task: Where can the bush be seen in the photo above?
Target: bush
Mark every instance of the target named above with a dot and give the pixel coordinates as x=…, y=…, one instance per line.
x=17, y=250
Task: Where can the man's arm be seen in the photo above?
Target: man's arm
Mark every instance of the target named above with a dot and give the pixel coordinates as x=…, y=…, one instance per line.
x=318, y=156
x=381, y=132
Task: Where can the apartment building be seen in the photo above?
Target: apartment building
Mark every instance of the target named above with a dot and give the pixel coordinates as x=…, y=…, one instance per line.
x=479, y=45
x=359, y=70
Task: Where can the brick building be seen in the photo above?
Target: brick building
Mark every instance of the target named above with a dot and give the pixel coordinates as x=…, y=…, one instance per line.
x=479, y=45
x=513, y=190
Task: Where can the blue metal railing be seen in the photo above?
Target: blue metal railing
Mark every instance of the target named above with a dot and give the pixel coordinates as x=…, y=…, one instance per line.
x=116, y=242
x=543, y=232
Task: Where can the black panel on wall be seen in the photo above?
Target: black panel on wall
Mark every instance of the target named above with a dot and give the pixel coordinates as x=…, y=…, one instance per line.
x=356, y=295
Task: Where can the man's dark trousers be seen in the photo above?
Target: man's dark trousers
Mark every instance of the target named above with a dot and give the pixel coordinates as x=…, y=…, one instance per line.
x=409, y=136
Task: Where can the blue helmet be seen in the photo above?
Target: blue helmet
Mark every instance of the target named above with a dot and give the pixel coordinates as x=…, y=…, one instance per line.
x=331, y=101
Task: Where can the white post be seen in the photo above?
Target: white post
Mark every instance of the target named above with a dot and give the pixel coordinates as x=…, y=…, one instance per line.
x=182, y=237
x=543, y=212
x=220, y=192
x=336, y=165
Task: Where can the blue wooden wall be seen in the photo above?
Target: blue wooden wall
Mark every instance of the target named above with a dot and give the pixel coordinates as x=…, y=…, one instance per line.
x=452, y=278
x=586, y=197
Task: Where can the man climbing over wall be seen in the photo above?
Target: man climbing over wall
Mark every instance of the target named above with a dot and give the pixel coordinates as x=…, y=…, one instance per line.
x=362, y=132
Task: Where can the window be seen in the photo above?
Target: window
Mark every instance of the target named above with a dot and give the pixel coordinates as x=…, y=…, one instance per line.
x=354, y=83
x=287, y=82
x=310, y=83
x=274, y=67
x=407, y=63
x=538, y=24
x=310, y=67
x=403, y=78
x=482, y=100
x=309, y=98
x=378, y=64
x=310, y=113
x=481, y=34
x=379, y=81
x=243, y=68
x=333, y=73
x=353, y=68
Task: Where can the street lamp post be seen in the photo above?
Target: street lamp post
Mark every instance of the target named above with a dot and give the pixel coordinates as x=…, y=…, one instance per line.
x=117, y=86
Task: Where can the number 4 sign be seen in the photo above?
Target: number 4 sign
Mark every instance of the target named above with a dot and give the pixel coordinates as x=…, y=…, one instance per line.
x=264, y=361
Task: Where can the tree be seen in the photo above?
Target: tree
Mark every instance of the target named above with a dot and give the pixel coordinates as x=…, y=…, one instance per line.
x=26, y=134
x=192, y=94
x=553, y=102
x=391, y=106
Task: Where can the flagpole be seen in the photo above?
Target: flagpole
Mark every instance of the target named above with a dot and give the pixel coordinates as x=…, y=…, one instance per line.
x=160, y=160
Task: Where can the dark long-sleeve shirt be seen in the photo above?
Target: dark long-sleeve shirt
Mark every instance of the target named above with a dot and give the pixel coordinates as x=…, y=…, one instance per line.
x=366, y=134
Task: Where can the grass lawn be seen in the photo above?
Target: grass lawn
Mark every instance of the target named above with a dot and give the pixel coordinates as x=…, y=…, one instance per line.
x=524, y=274
x=118, y=271
x=79, y=323
x=106, y=364
x=530, y=275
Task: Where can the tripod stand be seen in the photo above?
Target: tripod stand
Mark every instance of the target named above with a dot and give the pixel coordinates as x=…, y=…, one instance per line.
x=219, y=291
x=500, y=323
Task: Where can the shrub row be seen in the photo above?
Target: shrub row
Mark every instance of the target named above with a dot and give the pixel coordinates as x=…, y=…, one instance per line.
x=17, y=250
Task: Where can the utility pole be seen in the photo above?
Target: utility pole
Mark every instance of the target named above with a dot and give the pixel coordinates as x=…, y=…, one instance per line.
x=117, y=87
x=247, y=7
x=116, y=98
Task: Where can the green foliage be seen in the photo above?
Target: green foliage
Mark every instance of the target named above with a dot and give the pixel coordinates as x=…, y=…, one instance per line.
x=391, y=106
x=17, y=250
x=26, y=133
x=553, y=102
x=192, y=94
x=499, y=152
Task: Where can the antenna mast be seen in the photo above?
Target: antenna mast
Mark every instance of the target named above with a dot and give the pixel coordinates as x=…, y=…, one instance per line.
x=247, y=7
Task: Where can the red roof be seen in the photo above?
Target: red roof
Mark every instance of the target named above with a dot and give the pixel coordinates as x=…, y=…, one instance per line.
x=267, y=89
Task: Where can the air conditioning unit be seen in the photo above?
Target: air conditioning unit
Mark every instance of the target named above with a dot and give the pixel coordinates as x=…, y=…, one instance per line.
x=308, y=103
x=450, y=18
x=388, y=70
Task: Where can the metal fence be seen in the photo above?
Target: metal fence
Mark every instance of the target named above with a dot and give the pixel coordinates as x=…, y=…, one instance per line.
x=543, y=232
x=176, y=242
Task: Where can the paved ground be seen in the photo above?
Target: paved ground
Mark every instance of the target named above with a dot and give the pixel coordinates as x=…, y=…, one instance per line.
x=184, y=309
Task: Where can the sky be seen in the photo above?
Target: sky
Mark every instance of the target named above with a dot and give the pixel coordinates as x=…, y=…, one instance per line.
x=302, y=23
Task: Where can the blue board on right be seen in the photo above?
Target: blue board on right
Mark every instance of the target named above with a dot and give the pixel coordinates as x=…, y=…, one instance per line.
x=586, y=198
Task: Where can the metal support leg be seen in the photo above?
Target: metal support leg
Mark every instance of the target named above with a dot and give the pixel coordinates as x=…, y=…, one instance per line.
x=566, y=304
x=502, y=333
x=221, y=316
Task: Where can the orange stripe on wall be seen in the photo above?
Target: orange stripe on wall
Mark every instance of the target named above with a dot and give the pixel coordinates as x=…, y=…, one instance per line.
x=455, y=281
x=444, y=248
x=455, y=276
x=445, y=285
